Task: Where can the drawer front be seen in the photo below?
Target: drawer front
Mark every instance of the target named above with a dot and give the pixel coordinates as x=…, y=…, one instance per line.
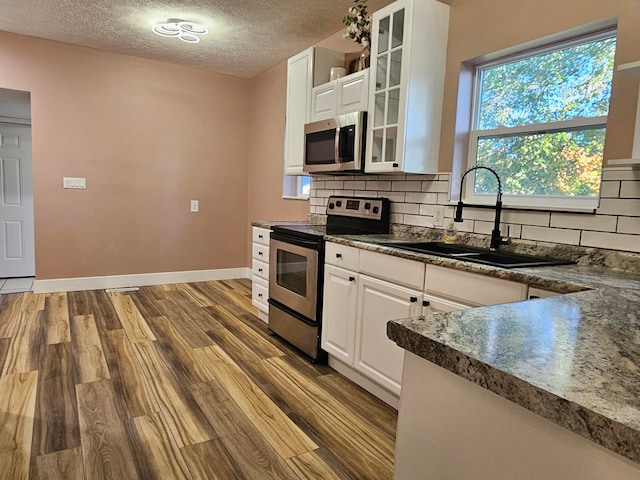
x=260, y=269
x=394, y=269
x=342, y=256
x=472, y=288
x=261, y=235
x=260, y=294
x=261, y=252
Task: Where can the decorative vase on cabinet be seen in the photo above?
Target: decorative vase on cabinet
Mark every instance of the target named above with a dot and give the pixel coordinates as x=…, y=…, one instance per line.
x=406, y=86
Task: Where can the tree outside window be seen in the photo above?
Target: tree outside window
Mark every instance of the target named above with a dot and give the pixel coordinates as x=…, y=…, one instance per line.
x=540, y=122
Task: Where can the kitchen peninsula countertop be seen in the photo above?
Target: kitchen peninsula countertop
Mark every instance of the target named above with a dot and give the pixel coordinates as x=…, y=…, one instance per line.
x=573, y=359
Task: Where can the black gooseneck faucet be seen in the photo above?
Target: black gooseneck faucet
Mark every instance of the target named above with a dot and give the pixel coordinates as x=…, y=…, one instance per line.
x=496, y=238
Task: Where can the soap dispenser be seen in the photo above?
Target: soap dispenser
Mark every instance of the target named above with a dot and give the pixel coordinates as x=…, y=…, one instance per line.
x=451, y=233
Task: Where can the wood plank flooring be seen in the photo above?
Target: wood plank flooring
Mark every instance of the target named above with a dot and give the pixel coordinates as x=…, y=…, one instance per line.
x=174, y=382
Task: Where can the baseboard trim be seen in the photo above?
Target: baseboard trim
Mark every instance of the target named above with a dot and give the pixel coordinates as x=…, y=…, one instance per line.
x=138, y=280
x=370, y=386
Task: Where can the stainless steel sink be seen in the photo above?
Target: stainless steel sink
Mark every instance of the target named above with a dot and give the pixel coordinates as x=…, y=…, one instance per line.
x=477, y=255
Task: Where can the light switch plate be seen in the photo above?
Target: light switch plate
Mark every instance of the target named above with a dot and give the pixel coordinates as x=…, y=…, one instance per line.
x=195, y=206
x=74, y=182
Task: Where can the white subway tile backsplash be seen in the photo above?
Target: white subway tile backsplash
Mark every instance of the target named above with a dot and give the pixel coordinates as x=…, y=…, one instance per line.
x=554, y=235
x=430, y=198
x=396, y=218
x=526, y=218
x=616, y=223
x=484, y=214
x=601, y=223
x=377, y=185
x=620, y=174
x=363, y=193
x=435, y=186
x=610, y=189
x=426, y=210
x=484, y=227
x=334, y=184
x=630, y=189
x=322, y=193
x=418, y=221
x=464, y=226
x=411, y=208
x=355, y=184
x=410, y=186
x=422, y=177
x=613, y=241
x=393, y=196
x=629, y=225
x=443, y=199
x=514, y=231
x=618, y=206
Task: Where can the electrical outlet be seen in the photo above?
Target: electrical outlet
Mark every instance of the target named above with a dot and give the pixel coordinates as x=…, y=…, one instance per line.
x=438, y=216
x=195, y=206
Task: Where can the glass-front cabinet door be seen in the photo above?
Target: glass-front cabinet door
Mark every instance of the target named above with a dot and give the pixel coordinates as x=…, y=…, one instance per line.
x=406, y=86
x=388, y=49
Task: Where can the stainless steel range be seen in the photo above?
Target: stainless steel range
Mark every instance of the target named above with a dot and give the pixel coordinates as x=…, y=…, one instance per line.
x=296, y=267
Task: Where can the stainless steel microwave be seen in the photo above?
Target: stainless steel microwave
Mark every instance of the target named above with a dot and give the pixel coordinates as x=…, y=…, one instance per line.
x=335, y=145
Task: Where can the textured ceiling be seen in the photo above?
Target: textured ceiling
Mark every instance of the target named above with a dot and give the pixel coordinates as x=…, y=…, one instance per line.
x=245, y=37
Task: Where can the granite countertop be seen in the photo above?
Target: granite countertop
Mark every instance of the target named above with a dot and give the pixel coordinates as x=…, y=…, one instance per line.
x=573, y=359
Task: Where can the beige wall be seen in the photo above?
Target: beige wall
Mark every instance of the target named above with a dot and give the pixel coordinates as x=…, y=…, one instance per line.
x=266, y=150
x=149, y=137
x=480, y=27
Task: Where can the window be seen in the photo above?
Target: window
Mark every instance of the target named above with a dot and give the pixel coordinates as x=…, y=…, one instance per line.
x=296, y=186
x=539, y=120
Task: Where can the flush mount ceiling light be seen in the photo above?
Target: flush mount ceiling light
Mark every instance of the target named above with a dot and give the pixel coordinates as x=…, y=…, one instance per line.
x=188, y=32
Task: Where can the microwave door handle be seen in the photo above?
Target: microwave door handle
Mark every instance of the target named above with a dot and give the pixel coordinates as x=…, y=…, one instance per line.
x=337, y=145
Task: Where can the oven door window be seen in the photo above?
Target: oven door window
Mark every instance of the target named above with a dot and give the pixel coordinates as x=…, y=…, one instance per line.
x=320, y=148
x=292, y=272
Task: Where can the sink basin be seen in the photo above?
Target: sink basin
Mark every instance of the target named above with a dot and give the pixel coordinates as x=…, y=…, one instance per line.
x=477, y=254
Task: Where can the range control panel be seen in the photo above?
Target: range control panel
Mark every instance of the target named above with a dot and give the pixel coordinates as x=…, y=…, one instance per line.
x=358, y=207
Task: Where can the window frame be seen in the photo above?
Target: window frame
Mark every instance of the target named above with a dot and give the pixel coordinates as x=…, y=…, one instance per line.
x=292, y=186
x=561, y=202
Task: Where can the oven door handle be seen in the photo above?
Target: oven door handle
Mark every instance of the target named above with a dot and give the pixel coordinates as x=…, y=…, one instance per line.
x=311, y=244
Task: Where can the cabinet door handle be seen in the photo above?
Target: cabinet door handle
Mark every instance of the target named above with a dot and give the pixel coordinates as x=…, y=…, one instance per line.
x=260, y=270
x=426, y=303
x=395, y=164
x=260, y=295
x=352, y=279
x=260, y=237
x=338, y=255
x=260, y=253
x=413, y=299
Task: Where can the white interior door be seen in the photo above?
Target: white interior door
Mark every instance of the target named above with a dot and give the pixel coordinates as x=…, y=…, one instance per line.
x=17, y=256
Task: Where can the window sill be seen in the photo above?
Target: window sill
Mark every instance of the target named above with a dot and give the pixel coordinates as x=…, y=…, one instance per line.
x=291, y=197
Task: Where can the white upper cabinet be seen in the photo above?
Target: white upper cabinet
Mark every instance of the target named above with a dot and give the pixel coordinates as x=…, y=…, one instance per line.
x=304, y=70
x=344, y=95
x=406, y=86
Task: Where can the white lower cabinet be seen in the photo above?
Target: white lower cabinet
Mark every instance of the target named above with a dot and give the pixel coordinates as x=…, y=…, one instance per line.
x=260, y=271
x=339, y=313
x=376, y=356
x=364, y=290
